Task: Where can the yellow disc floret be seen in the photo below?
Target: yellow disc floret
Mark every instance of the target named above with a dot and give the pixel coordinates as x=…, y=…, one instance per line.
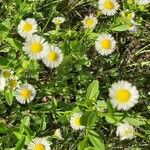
x=77, y=121
x=106, y=44
x=6, y=73
x=36, y=47
x=123, y=95
x=89, y=22
x=108, y=4
x=39, y=147
x=26, y=93
x=52, y=56
x=127, y=132
x=129, y=15
x=27, y=27
x=12, y=83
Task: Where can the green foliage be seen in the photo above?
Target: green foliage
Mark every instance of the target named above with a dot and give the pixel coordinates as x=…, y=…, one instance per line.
x=96, y=140
x=3, y=129
x=9, y=97
x=80, y=83
x=20, y=143
x=93, y=91
x=121, y=28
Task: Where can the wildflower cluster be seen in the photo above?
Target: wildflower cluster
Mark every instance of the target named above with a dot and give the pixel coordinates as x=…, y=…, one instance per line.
x=71, y=82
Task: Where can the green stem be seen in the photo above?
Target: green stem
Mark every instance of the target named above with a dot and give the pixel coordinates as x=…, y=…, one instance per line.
x=51, y=14
x=139, y=134
x=86, y=32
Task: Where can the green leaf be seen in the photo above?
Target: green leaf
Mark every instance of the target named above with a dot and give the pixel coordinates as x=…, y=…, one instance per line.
x=11, y=55
x=7, y=23
x=130, y=1
x=19, y=2
x=3, y=129
x=74, y=45
x=18, y=135
x=89, y=118
x=20, y=143
x=83, y=144
x=3, y=61
x=28, y=131
x=3, y=27
x=92, y=118
x=135, y=121
x=121, y=28
x=92, y=90
x=9, y=97
x=96, y=140
x=24, y=122
x=93, y=35
x=54, y=104
x=43, y=122
x=3, y=35
x=33, y=69
x=110, y=119
x=14, y=43
x=110, y=107
x=89, y=148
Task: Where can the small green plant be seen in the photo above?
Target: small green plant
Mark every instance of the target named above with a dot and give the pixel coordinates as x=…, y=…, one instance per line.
x=74, y=75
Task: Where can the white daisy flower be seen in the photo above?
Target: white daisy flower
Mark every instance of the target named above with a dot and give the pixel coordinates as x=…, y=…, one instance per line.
x=125, y=131
x=105, y=44
x=57, y=134
x=89, y=22
x=25, y=93
x=142, y=2
x=127, y=14
x=75, y=121
x=53, y=57
x=2, y=83
x=13, y=82
x=7, y=73
x=58, y=20
x=108, y=7
x=39, y=144
x=27, y=27
x=123, y=95
x=35, y=47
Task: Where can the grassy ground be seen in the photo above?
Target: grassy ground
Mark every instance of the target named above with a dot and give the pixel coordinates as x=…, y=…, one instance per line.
x=62, y=91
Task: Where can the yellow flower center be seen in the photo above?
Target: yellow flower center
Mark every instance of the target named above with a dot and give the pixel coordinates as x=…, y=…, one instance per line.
x=58, y=22
x=36, y=47
x=127, y=132
x=89, y=22
x=52, y=56
x=108, y=4
x=26, y=93
x=77, y=121
x=129, y=16
x=123, y=95
x=106, y=44
x=13, y=83
x=27, y=27
x=6, y=74
x=39, y=147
